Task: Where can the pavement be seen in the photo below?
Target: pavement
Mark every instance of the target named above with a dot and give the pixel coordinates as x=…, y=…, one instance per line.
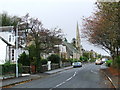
x=115, y=80
x=26, y=78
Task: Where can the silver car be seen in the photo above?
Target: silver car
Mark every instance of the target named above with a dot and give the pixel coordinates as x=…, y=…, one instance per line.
x=77, y=64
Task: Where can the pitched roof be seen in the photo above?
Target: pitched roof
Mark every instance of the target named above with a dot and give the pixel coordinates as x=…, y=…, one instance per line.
x=70, y=47
x=6, y=28
x=5, y=41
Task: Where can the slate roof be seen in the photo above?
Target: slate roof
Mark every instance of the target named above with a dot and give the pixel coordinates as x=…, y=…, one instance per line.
x=5, y=41
x=6, y=28
x=70, y=48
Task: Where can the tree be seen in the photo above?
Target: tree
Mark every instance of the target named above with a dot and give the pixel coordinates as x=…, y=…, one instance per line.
x=42, y=39
x=54, y=58
x=103, y=27
x=7, y=20
x=32, y=54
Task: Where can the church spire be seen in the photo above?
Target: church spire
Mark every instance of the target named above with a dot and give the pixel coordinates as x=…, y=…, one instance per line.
x=78, y=40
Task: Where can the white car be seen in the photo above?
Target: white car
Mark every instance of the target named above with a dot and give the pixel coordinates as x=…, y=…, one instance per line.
x=77, y=64
x=98, y=62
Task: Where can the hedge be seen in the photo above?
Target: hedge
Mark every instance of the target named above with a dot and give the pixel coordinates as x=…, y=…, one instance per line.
x=10, y=69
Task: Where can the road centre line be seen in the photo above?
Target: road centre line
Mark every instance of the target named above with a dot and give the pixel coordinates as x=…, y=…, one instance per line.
x=68, y=78
x=94, y=72
x=59, y=84
x=64, y=81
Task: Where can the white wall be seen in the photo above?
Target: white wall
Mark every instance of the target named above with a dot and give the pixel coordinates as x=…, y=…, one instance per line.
x=6, y=35
x=62, y=48
x=2, y=52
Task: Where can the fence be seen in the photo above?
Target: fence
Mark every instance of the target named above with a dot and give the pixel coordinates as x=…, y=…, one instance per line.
x=26, y=69
x=65, y=64
x=54, y=66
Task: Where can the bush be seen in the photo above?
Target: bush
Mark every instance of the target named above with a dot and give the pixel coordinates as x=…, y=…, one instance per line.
x=44, y=61
x=8, y=68
x=83, y=59
x=70, y=60
x=24, y=59
x=74, y=60
x=108, y=63
x=77, y=60
x=65, y=60
x=54, y=58
x=92, y=60
x=116, y=63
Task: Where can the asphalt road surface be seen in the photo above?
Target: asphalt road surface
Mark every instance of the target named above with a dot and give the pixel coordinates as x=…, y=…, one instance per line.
x=87, y=76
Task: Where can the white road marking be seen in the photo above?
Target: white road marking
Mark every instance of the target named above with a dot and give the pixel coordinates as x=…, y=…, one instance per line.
x=94, y=72
x=64, y=81
x=68, y=78
x=59, y=84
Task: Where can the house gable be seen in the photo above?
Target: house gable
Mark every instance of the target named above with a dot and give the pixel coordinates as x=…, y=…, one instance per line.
x=3, y=47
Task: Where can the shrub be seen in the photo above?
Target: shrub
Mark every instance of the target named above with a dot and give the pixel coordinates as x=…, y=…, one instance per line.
x=92, y=60
x=65, y=60
x=108, y=63
x=8, y=68
x=76, y=60
x=83, y=59
x=44, y=61
x=116, y=63
x=70, y=60
x=54, y=58
x=24, y=59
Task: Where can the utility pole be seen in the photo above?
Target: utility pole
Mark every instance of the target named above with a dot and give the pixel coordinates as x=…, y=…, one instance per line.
x=16, y=44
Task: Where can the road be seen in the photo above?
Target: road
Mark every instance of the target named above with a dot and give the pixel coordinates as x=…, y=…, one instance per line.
x=87, y=76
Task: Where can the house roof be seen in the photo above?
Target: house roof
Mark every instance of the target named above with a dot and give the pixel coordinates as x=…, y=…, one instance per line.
x=5, y=41
x=9, y=43
x=6, y=28
x=70, y=47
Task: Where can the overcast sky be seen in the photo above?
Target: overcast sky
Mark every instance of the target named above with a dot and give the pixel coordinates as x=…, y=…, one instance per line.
x=55, y=13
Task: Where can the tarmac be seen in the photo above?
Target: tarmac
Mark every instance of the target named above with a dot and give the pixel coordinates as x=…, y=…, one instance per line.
x=28, y=77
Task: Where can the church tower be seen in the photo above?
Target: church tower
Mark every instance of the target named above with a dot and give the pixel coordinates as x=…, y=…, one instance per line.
x=78, y=40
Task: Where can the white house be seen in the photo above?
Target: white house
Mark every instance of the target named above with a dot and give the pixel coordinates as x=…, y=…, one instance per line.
x=7, y=45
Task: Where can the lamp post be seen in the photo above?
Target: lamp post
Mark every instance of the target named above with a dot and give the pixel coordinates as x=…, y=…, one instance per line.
x=16, y=45
x=25, y=21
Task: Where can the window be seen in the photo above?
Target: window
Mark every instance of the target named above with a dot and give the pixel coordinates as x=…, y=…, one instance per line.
x=12, y=54
x=9, y=38
x=13, y=38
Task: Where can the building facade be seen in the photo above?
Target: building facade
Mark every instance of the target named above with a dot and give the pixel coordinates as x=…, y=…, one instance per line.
x=7, y=45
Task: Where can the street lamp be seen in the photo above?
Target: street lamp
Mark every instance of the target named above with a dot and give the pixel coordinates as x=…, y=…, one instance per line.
x=16, y=56
x=16, y=45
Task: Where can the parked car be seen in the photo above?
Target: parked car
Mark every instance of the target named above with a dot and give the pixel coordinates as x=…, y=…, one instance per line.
x=98, y=62
x=76, y=64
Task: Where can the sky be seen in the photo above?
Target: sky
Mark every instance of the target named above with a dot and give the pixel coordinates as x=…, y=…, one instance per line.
x=63, y=14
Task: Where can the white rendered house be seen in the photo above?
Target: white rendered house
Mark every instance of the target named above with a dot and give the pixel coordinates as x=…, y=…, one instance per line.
x=7, y=45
